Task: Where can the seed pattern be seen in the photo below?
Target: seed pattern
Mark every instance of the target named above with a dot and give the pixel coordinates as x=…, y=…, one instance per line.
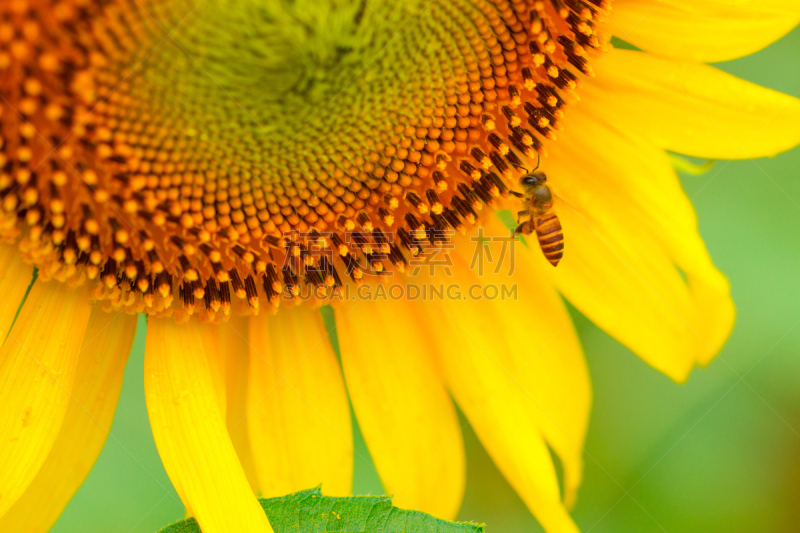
x=198, y=159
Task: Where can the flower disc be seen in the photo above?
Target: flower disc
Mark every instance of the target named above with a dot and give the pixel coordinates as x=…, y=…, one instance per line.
x=175, y=153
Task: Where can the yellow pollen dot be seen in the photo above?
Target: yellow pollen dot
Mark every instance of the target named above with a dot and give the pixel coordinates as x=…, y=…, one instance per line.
x=60, y=178
x=164, y=290
x=101, y=196
x=91, y=226
x=90, y=177
x=24, y=154
x=33, y=87
x=31, y=196
x=57, y=205
x=27, y=131
x=32, y=216
x=144, y=284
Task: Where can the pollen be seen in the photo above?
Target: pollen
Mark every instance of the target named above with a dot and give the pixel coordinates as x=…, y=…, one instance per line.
x=258, y=149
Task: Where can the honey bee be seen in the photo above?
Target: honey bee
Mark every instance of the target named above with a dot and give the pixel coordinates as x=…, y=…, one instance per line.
x=538, y=202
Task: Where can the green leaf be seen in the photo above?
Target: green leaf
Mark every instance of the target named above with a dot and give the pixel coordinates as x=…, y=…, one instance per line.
x=616, y=42
x=687, y=167
x=309, y=511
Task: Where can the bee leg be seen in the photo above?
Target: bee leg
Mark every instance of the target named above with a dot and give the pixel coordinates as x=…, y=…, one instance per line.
x=517, y=194
x=522, y=214
x=523, y=228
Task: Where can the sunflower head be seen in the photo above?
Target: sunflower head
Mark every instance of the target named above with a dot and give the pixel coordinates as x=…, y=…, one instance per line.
x=181, y=167
x=206, y=159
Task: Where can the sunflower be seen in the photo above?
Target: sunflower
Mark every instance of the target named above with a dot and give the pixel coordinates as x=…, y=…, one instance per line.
x=208, y=162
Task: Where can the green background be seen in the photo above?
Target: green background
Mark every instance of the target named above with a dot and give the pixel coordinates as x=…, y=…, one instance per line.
x=721, y=453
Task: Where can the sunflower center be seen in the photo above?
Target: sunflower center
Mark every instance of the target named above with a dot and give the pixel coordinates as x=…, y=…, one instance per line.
x=231, y=151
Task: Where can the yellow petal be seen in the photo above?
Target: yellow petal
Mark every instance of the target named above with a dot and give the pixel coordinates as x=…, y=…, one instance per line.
x=703, y=30
x=233, y=338
x=16, y=277
x=626, y=237
x=482, y=366
x=37, y=369
x=98, y=380
x=690, y=108
x=527, y=336
x=216, y=364
x=507, y=431
x=189, y=429
x=404, y=412
x=298, y=415
x=535, y=341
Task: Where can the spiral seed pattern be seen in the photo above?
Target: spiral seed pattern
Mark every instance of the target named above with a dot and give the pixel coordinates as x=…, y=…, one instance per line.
x=196, y=160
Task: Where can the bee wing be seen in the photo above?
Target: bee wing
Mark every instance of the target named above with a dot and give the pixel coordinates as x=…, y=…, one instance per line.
x=562, y=205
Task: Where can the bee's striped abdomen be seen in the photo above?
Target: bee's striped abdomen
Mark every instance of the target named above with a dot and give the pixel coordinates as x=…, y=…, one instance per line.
x=551, y=237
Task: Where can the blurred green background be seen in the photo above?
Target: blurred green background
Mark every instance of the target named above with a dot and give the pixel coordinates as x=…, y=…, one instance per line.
x=720, y=454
